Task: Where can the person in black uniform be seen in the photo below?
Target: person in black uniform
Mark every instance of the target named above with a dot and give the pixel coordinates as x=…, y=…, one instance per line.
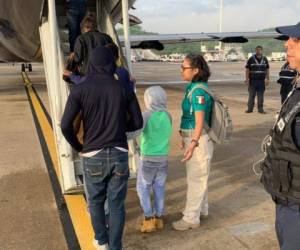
x=286, y=80
x=257, y=76
x=281, y=166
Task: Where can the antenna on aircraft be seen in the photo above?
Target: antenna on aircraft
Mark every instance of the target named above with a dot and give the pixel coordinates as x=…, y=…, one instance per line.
x=126, y=28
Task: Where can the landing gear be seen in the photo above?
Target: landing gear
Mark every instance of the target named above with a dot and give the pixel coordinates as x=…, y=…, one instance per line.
x=25, y=66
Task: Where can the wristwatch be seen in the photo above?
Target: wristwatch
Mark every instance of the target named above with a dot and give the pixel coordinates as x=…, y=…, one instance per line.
x=196, y=142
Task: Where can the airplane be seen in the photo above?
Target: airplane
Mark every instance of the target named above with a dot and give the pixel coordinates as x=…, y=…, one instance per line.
x=157, y=41
x=20, y=38
x=19, y=34
x=39, y=34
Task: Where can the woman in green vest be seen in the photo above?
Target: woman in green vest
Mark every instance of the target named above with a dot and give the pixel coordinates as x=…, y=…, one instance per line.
x=197, y=146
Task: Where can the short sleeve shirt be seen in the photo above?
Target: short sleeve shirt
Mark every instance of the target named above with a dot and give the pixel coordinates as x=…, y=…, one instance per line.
x=251, y=60
x=200, y=101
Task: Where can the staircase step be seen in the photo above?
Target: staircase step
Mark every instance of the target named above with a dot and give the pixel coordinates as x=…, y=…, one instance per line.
x=60, y=10
x=65, y=46
x=91, y=3
x=64, y=35
x=62, y=22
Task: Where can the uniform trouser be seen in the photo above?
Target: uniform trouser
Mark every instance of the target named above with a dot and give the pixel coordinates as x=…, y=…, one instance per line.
x=197, y=170
x=256, y=88
x=288, y=226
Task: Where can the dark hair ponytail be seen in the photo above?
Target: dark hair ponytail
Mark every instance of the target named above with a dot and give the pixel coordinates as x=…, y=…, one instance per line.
x=198, y=61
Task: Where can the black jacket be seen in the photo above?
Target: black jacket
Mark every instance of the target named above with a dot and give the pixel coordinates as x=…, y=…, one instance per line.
x=85, y=44
x=108, y=110
x=281, y=166
x=257, y=68
x=286, y=76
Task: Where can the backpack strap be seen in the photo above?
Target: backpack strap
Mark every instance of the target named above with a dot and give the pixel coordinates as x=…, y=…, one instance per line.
x=200, y=87
x=206, y=127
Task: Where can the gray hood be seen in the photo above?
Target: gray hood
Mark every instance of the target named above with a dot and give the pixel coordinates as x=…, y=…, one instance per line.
x=155, y=99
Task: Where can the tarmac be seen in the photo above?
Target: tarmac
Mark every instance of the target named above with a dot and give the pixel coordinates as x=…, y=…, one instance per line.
x=241, y=213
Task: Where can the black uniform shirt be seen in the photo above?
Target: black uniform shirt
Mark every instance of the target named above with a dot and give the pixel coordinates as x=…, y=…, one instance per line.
x=286, y=75
x=296, y=131
x=252, y=61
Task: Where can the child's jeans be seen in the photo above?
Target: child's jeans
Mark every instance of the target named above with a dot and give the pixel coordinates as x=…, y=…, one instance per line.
x=152, y=176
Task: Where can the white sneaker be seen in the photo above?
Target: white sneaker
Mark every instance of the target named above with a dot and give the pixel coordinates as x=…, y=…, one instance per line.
x=100, y=247
x=182, y=225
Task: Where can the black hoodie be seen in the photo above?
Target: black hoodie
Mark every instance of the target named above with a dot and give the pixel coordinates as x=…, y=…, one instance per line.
x=107, y=108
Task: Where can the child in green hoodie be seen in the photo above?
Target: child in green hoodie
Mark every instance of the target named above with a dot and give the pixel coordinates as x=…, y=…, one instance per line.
x=155, y=146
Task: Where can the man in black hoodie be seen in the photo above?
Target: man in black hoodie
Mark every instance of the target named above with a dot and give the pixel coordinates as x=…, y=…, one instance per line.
x=108, y=111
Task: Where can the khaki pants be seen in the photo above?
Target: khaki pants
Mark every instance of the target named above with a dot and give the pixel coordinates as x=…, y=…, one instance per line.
x=197, y=171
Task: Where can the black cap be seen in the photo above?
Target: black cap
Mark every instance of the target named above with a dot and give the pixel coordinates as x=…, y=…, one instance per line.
x=290, y=31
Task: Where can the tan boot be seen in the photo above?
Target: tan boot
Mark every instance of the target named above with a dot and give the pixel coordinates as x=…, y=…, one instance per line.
x=148, y=225
x=159, y=223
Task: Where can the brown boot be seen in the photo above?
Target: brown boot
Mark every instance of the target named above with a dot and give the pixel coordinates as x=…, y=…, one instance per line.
x=159, y=223
x=148, y=225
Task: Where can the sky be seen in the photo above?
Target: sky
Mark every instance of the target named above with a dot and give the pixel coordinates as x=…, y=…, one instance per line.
x=189, y=16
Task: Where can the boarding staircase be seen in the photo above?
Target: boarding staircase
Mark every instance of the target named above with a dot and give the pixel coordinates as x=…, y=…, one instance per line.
x=55, y=47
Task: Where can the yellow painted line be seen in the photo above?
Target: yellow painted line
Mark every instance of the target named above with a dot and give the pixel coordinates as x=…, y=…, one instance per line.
x=76, y=203
x=43, y=121
x=81, y=220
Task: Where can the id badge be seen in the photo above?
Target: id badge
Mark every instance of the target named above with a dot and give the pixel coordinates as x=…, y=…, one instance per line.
x=281, y=125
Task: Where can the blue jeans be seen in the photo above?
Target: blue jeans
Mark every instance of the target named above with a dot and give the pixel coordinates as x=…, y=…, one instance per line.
x=87, y=197
x=152, y=176
x=288, y=226
x=106, y=175
x=75, y=15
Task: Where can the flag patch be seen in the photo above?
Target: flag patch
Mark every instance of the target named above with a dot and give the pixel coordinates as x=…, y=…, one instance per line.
x=201, y=99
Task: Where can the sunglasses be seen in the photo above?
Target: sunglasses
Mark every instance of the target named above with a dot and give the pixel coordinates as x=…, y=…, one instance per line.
x=184, y=68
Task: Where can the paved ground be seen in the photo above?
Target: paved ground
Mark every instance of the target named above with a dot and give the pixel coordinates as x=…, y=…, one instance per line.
x=241, y=213
x=28, y=214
